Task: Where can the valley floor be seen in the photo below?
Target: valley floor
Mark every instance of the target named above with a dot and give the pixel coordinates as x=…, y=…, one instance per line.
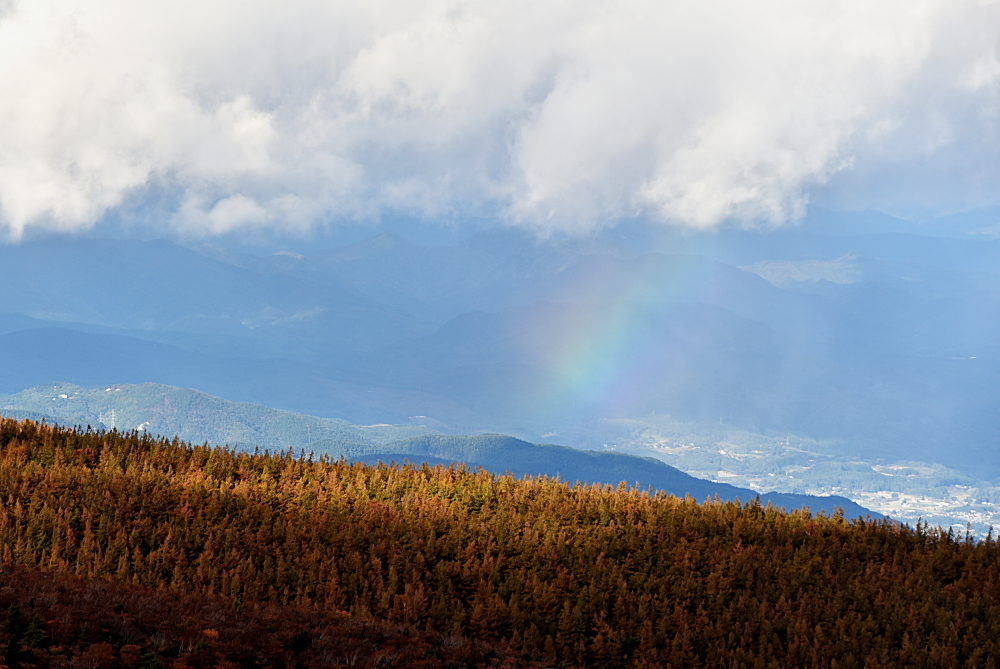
x=907, y=491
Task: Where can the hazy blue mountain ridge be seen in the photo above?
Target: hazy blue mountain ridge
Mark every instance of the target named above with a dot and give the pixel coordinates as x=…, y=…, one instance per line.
x=163, y=288
x=895, y=354
x=198, y=417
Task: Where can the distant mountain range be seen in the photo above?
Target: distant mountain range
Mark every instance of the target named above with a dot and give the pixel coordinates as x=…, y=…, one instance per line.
x=197, y=417
x=885, y=344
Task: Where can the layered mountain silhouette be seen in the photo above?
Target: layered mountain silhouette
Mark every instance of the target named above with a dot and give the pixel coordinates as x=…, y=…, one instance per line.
x=885, y=344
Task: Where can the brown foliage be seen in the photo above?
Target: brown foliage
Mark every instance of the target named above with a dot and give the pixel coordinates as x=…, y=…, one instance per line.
x=91, y=624
x=584, y=575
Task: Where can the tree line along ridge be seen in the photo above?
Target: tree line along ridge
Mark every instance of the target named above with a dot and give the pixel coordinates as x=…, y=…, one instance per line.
x=567, y=575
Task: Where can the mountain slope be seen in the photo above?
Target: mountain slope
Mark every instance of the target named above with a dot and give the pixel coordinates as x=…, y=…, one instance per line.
x=500, y=454
x=197, y=417
x=582, y=576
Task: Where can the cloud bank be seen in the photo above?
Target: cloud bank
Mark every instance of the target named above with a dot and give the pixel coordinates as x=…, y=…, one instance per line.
x=548, y=113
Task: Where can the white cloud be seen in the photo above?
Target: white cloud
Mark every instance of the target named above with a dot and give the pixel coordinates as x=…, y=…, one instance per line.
x=547, y=112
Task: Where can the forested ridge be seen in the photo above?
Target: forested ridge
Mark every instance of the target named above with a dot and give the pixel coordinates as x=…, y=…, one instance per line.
x=566, y=575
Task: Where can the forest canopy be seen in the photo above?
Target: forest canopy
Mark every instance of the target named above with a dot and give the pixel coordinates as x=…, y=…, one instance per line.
x=568, y=575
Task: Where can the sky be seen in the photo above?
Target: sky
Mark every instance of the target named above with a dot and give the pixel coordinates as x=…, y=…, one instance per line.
x=228, y=117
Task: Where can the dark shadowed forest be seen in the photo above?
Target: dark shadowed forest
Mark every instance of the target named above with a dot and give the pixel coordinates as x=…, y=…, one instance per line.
x=55, y=620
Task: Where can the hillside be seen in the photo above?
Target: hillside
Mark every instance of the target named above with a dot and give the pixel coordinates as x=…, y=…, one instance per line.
x=576, y=576
x=200, y=418
x=53, y=621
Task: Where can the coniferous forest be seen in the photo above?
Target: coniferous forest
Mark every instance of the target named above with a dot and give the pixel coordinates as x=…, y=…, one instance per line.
x=199, y=550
